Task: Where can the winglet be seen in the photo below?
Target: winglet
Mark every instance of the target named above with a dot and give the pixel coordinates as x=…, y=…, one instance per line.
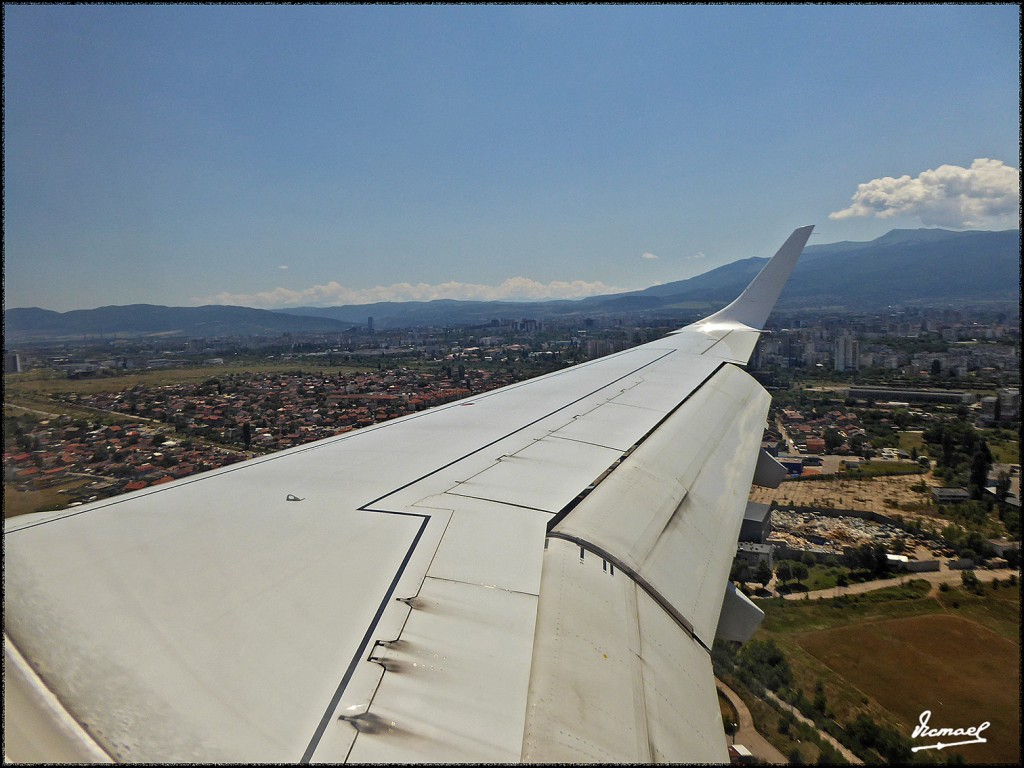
x=753, y=306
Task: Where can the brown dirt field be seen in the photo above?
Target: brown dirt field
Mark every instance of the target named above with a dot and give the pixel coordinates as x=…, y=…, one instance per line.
x=961, y=671
x=871, y=494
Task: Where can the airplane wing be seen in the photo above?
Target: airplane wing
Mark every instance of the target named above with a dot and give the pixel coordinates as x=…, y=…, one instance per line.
x=536, y=573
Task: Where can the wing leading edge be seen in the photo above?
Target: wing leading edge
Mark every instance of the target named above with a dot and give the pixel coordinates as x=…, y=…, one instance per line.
x=535, y=577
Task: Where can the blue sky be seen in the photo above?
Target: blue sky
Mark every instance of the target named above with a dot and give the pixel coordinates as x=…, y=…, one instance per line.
x=279, y=156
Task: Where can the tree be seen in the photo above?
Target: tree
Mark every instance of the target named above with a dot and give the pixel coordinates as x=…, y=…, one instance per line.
x=763, y=663
x=981, y=462
x=740, y=571
x=784, y=571
x=1002, y=486
x=785, y=723
x=800, y=572
x=832, y=439
x=970, y=581
x=820, y=701
x=872, y=558
x=763, y=574
x=730, y=727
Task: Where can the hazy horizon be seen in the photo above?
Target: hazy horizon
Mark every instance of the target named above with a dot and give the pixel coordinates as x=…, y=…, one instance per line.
x=283, y=156
x=504, y=300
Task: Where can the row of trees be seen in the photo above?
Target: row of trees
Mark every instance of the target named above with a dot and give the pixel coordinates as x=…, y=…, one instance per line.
x=961, y=454
x=743, y=572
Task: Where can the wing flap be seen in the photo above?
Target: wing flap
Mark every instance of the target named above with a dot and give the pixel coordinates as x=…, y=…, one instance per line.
x=614, y=678
x=488, y=544
x=455, y=682
x=671, y=512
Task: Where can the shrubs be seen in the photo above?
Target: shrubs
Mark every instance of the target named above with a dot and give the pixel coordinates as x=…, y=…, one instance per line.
x=760, y=664
x=887, y=742
x=971, y=582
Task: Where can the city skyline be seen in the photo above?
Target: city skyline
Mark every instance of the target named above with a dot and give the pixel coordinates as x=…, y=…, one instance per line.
x=278, y=156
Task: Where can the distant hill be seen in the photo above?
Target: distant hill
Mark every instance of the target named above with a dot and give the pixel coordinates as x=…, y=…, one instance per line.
x=150, y=319
x=904, y=266
x=919, y=266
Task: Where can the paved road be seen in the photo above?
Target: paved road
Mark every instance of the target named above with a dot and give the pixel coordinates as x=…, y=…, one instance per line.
x=747, y=735
x=935, y=577
x=45, y=414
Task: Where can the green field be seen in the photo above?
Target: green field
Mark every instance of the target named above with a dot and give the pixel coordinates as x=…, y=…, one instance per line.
x=34, y=383
x=1006, y=451
x=893, y=653
x=819, y=576
x=910, y=440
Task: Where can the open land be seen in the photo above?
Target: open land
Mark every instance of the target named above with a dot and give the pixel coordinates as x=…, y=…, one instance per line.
x=878, y=494
x=894, y=653
x=963, y=673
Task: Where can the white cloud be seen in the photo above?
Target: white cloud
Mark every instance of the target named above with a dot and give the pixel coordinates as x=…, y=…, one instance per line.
x=283, y=266
x=698, y=255
x=334, y=293
x=648, y=255
x=985, y=193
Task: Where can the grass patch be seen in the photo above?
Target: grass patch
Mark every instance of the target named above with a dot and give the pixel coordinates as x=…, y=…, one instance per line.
x=1005, y=452
x=794, y=616
x=909, y=440
x=995, y=609
x=882, y=469
x=49, y=382
x=23, y=502
x=819, y=576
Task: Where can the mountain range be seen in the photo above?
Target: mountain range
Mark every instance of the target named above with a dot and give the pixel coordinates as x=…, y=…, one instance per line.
x=151, y=319
x=918, y=266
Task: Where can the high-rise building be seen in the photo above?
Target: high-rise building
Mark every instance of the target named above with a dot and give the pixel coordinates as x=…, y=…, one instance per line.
x=847, y=354
x=12, y=362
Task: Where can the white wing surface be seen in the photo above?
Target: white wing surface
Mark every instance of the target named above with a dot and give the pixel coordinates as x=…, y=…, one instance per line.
x=535, y=573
